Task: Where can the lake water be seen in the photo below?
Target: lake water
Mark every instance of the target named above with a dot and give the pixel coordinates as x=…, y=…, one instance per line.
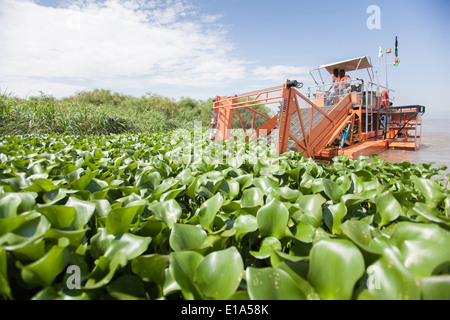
x=435, y=145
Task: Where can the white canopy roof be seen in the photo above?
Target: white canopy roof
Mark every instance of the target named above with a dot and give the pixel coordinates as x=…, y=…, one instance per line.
x=348, y=65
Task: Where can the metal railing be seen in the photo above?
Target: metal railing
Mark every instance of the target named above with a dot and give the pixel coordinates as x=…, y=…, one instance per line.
x=368, y=95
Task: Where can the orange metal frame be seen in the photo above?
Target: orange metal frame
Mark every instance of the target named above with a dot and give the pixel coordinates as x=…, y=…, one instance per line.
x=405, y=128
x=317, y=134
x=225, y=108
x=314, y=141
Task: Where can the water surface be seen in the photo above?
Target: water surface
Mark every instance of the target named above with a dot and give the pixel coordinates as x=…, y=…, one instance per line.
x=435, y=146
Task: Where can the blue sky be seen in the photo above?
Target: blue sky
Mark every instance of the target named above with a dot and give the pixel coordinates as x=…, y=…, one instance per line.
x=204, y=48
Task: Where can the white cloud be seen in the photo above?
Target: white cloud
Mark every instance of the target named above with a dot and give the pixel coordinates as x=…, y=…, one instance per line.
x=128, y=46
x=125, y=45
x=280, y=73
x=26, y=87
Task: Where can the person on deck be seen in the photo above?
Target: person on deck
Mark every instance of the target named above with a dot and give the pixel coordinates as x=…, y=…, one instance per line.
x=336, y=80
x=344, y=83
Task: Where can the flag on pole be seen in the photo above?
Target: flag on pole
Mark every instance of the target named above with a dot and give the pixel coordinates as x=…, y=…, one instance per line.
x=397, y=60
x=380, y=53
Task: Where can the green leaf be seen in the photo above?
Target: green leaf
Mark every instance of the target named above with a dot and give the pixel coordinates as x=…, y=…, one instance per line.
x=229, y=189
x=428, y=212
x=286, y=194
x=390, y=280
x=304, y=285
x=15, y=184
x=388, y=208
x=435, y=288
x=240, y=295
x=129, y=245
x=167, y=211
x=75, y=237
x=152, y=180
x=150, y=268
x=208, y=211
x=32, y=251
x=244, y=180
x=272, y=219
x=186, y=237
x=344, y=182
x=43, y=271
x=33, y=228
x=183, y=265
x=127, y=287
x=172, y=194
x=265, y=183
x=335, y=266
x=422, y=256
x=170, y=285
x=100, y=242
x=404, y=231
x=429, y=189
x=85, y=210
x=423, y=246
x=268, y=246
x=333, y=215
x=311, y=206
x=252, y=197
x=9, y=203
x=56, y=196
x=272, y=284
x=105, y=270
x=41, y=185
x=193, y=188
x=10, y=224
x=304, y=232
x=107, y=245
x=60, y=217
x=82, y=182
x=119, y=220
x=96, y=185
x=12, y=204
x=332, y=190
x=5, y=289
x=244, y=224
x=165, y=186
x=102, y=207
x=219, y=274
x=360, y=233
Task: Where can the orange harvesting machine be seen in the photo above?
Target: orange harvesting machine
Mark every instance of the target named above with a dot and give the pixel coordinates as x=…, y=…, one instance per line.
x=354, y=118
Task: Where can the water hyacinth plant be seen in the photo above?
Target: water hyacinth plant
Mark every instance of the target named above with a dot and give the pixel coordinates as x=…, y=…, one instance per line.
x=146, y=216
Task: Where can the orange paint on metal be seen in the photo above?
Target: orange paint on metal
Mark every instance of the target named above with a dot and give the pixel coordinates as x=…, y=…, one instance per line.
x=315, y=132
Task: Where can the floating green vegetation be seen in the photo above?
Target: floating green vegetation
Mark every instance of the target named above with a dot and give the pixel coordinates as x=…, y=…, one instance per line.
x=127, y=217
